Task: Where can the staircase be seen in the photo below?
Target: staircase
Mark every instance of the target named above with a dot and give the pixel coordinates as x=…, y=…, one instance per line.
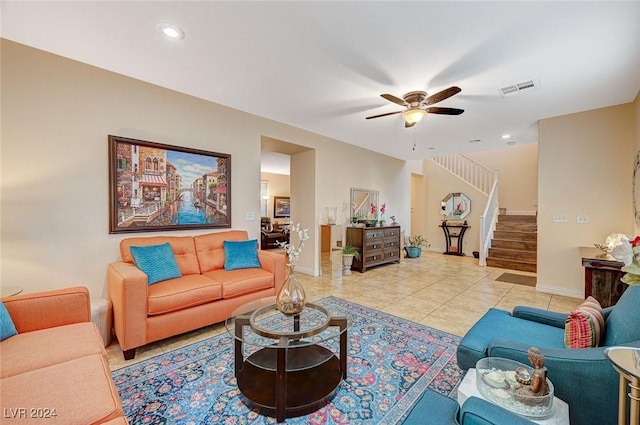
x=515, y=243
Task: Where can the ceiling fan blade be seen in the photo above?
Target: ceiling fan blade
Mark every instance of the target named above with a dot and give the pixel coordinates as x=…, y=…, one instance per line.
x=407, y=125
x=444, y=111
x=384, y=115
x=441, y=95
x=392, y=98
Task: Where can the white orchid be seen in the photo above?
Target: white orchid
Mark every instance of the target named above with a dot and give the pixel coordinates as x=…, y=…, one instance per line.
x=628, y=252
x=293, y=252
x=615, y=239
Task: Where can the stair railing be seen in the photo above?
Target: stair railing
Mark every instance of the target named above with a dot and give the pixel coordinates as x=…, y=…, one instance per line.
x=469, y=170
x=488, y=221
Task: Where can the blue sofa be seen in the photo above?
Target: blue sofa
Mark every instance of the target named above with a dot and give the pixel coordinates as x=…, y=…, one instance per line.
x=437, y=409
x=583, y=378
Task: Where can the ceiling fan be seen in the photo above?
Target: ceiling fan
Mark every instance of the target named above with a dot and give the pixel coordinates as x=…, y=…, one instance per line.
x=417, y=105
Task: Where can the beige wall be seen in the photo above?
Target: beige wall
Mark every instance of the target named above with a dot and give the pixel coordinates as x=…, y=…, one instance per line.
x=518, y=190
x=56, y=115
x=278, y=185
x=636, y=107
x=438, y=184
x=585, y=167
x=518, y=175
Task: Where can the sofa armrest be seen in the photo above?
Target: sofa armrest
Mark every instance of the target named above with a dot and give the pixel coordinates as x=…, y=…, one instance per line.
x=127, y=287
x=476, y=411
x=42, y=310
x=274, y=263
x=545, y=317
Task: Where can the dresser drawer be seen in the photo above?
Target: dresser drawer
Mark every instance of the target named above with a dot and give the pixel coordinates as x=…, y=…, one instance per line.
x=391, y=243
x=373, y=244
x=394, y=231
x=373, y=256
x=391, y=254
x=373, y=234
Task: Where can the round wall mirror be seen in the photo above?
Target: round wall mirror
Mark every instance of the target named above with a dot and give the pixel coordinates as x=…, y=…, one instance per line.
x=455, y=206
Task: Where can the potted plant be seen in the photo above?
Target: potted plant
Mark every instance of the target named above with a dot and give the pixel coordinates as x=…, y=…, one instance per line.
x=349, y=252
x=414, y=244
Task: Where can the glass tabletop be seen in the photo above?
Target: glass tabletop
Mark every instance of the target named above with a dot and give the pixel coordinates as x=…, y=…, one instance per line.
x=260, y=324
x=625, y=358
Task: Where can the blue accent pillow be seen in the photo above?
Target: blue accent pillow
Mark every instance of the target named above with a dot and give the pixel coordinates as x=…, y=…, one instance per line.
x=156, y=261
x=241, y=255
x=7, y=327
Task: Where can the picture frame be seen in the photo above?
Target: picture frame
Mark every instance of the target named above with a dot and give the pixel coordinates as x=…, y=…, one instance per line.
x=157, y=187
x=281, y=207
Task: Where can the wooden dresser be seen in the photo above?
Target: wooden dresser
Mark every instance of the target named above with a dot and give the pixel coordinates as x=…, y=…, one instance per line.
x=378, y=245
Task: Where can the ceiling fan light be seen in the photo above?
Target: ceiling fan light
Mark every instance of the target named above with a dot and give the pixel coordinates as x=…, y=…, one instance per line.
x=413, y=116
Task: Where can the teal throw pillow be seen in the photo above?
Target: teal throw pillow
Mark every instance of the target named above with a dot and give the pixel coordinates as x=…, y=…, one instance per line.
x=7, y=327
x=241, y=255
x=156, y=261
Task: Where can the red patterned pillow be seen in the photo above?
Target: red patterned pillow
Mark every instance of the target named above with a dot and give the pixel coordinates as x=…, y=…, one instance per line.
x=585, y=325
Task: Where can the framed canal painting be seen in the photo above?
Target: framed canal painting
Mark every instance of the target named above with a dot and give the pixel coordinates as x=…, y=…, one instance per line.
x=281, y=207
x=156, y=187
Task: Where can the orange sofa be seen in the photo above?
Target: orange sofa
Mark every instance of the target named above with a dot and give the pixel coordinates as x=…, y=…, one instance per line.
x=55, y=370
x=205, y=294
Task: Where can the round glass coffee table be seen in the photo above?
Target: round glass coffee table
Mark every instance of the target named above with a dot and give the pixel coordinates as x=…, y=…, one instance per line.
x=283, y=364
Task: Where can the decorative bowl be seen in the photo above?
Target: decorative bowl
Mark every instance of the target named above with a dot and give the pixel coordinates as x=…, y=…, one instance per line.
x=497, y=379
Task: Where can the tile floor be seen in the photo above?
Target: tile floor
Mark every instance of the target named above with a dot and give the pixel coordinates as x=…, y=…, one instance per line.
x=440, y=291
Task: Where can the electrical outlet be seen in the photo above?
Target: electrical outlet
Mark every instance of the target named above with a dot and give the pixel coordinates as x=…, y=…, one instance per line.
x=560, y=218
x=251, y=216
x=582, y=219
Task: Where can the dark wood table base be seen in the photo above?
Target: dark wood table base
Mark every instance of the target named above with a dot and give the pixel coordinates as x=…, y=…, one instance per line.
x=292, y=381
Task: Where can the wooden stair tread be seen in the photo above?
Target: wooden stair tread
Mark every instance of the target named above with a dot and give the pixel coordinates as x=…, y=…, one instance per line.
x=515, y=243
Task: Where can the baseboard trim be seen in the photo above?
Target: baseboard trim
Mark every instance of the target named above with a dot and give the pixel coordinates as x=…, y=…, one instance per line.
x=555, y=290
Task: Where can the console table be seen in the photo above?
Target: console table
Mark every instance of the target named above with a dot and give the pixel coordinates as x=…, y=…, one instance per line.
x=602, y=276
x=458, y=233
x=378, y=245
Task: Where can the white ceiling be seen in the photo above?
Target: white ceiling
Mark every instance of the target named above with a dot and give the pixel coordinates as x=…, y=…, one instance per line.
x=321, y=66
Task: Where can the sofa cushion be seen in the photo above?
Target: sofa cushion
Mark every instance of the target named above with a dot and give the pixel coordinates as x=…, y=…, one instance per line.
x=584, y=326
x=210, y=248
x=183, y=249
x=80, y=390
x=55, y=345
x=156, y=261
x=242, y=281
x=7, y=328
x=183, y=292
x=241, y=255
x=622, y=322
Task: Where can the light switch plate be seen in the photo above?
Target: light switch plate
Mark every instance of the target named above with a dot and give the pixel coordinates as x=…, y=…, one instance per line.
x=560, y=218
x=582, y=219
x=251, y=216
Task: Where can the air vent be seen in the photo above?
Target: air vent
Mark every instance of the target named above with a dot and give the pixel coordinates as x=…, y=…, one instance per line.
x=517, y=88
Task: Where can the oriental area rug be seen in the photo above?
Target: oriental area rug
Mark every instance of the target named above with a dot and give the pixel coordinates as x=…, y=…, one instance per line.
x=391, y=362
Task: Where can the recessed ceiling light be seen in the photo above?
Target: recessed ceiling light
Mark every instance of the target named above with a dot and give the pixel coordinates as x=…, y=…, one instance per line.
x=506, y=136
x=511, y=142
x=171, y=31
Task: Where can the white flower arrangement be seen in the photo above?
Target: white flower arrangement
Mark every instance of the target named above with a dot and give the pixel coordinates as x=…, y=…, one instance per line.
x=627, y=250
x=293, y=252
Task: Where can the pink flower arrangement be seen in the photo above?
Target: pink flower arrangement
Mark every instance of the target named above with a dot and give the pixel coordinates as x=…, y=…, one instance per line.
x=383, y=208
x=373, y=208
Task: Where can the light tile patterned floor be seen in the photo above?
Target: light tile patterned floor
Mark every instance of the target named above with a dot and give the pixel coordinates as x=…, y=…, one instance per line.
x=444, y=292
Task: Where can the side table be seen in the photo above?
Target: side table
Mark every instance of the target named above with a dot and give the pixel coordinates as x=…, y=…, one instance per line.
x=626, y=361
x=468, y=388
